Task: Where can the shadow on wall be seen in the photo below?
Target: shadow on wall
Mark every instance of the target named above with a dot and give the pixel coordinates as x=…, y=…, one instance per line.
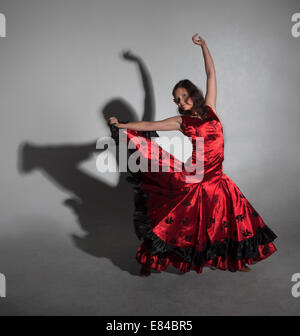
x=105, y=213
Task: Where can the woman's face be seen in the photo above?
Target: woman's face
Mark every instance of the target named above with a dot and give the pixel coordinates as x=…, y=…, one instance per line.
x=182, y=99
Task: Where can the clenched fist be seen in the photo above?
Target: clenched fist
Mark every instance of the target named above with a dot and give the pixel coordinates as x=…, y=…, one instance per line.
x=114, y=121
x=200, y=40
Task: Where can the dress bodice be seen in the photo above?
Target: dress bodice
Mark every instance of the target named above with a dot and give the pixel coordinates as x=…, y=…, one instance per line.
x=205, y=161
x=211, y=132
x=193, y=220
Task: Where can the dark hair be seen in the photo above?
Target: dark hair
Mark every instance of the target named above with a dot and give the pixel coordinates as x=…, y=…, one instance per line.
x=196, y=94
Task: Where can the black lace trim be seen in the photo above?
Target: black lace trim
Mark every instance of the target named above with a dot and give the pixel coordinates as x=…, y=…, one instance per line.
x=247, y=248
x=236, y=250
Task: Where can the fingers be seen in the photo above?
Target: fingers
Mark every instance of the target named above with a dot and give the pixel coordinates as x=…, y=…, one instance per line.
x=198, y=41
x=113, y=120
x=194, y=37
x=195, y=40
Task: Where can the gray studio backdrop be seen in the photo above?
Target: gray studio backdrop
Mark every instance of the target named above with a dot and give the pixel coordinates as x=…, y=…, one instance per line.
x=67, y=243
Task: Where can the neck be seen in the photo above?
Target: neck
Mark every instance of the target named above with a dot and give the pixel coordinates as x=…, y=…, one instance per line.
x=195, y=115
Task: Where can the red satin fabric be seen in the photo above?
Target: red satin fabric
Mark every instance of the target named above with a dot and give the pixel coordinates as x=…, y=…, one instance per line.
x=194, y=214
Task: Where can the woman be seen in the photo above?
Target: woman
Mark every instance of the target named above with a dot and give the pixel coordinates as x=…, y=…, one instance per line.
x=205, y=222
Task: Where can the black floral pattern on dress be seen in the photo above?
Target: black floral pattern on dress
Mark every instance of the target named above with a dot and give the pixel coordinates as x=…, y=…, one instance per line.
x=225, y=225
x=240, y=217
x=247, y=248
x=246, y=233
x=169, y=220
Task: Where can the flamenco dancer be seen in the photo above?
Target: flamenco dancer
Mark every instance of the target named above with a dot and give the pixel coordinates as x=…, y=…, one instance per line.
x=192, y=224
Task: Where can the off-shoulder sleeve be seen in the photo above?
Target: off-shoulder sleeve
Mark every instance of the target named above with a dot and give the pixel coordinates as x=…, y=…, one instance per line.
x=213, y=114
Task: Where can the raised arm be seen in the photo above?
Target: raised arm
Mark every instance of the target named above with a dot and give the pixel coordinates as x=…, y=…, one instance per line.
x=211, y=81
x=169, y=124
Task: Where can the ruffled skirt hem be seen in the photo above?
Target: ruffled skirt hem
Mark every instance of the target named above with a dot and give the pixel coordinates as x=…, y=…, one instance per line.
x=224, y=263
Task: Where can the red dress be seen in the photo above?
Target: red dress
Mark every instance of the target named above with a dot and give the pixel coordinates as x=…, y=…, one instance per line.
x=206, y=222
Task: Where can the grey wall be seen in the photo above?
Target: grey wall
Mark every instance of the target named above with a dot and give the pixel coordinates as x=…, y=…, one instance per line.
x=67, y=244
